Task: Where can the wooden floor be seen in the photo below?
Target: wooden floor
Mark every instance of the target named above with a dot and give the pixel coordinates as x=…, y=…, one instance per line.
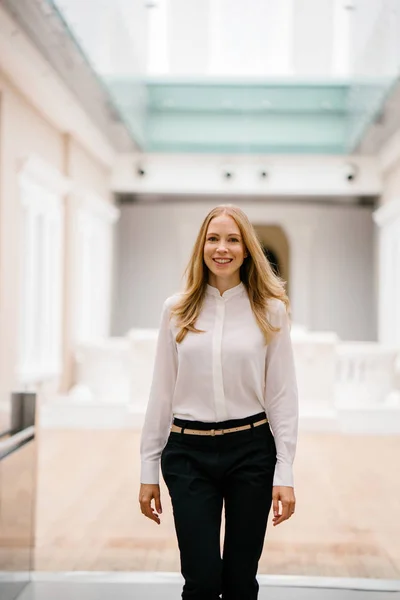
x=347, y=521
x=17, y=509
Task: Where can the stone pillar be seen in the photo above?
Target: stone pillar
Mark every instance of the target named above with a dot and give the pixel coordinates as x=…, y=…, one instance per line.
x=387, y=218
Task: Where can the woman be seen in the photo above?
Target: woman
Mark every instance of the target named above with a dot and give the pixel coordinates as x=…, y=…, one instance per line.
x=224, y=377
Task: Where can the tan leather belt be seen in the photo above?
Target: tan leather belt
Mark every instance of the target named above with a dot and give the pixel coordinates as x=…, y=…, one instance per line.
x=213, y=432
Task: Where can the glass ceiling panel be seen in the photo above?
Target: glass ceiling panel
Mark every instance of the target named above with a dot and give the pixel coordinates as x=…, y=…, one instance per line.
x=242, y=117
x=213, y=114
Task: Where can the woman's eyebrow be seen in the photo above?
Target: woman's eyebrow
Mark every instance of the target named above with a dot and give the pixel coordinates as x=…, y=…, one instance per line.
x=229, y=234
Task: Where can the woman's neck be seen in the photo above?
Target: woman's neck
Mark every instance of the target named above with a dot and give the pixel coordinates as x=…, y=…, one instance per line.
x=223, y=285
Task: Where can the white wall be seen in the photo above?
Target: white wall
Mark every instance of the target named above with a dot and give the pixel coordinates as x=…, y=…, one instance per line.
x=331, y=261
x=41, y=119
x=387, y=218
x=288, y=175
x=22, y=64
x=23, y=132
x=149, y=261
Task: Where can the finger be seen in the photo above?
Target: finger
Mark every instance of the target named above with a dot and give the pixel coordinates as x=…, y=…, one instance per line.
x=150, y=514
x=284, y=515
x=155, y=512
x=285, y=509
x=292, y=505
x=279, y=520
x=157, y=501
x=275, y=499
x=147, y=510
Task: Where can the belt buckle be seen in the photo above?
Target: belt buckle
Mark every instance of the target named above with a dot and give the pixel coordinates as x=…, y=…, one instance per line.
x=214, y=432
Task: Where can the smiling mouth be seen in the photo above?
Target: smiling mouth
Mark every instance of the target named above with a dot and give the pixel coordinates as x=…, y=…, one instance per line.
x=222, y=261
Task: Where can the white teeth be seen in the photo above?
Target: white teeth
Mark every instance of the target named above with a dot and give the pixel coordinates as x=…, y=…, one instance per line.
x=222, y=260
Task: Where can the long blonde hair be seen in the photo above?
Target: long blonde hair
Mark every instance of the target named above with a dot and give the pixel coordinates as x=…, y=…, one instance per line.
x=256, y=274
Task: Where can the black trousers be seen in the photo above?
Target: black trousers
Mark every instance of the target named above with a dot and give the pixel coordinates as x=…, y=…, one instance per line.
x=202, y=473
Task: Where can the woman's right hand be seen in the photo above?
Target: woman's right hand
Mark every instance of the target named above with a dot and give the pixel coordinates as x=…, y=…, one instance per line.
x=147, y=492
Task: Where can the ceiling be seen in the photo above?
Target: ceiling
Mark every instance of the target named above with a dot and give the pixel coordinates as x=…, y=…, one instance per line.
x=238, y=116
x=209, y=115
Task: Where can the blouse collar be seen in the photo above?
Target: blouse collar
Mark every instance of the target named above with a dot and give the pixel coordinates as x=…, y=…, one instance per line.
x=213, y=291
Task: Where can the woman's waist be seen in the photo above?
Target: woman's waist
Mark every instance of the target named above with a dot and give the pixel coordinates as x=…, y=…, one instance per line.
x=189, y=422
x=212, y=408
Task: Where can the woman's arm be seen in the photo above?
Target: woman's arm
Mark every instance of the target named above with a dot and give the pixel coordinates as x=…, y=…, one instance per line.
x=158, y=417
x=281, y=397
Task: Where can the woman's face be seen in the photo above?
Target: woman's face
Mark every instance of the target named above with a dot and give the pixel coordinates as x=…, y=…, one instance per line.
x=224, y=250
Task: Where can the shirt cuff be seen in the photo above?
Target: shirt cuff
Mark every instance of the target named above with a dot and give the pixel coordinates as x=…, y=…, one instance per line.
x=283, y=474
x=150, y=472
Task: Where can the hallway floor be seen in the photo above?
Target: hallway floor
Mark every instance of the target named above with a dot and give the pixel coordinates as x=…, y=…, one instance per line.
x=347, y=520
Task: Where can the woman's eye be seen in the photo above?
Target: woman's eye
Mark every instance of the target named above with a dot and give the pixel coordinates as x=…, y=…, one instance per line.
x=212, y=238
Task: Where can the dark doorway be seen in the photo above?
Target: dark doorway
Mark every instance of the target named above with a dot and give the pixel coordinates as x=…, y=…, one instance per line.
x=273, y=260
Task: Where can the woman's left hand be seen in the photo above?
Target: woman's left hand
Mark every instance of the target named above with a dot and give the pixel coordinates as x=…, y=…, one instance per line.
x=284, y=495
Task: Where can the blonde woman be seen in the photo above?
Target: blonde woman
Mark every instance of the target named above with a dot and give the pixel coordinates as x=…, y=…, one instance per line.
x=222, y=415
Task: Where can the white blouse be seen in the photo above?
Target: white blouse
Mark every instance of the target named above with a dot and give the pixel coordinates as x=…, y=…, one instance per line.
x=225, y=373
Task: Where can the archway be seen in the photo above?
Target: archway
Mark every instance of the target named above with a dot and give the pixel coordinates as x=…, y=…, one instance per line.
x=273, y=260
x=276, y=248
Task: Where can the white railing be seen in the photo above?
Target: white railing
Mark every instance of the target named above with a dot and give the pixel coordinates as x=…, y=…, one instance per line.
x=365, y=374
x=314, y=354
x=367, y=388
x=351, y=386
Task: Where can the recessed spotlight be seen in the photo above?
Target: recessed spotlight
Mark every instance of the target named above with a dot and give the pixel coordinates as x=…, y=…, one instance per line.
x=350, y=171
x=228, y=171
x=140, y=170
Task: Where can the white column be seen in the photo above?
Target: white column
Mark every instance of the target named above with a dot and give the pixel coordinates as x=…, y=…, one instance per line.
x=387, y=218
x=94, y=221
x=397, y=290
x=42, y=189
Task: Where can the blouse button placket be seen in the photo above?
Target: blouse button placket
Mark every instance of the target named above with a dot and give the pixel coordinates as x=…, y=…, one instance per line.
x=219, y=394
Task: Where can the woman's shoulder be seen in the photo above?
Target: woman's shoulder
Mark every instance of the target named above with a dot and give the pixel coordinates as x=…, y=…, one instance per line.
x=276, y=306
x=276, y=311
x=168, y=305
x=172, y=300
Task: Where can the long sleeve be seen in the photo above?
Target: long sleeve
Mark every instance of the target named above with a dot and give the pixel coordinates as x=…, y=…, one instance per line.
x=158, y=416
x=281, y=396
